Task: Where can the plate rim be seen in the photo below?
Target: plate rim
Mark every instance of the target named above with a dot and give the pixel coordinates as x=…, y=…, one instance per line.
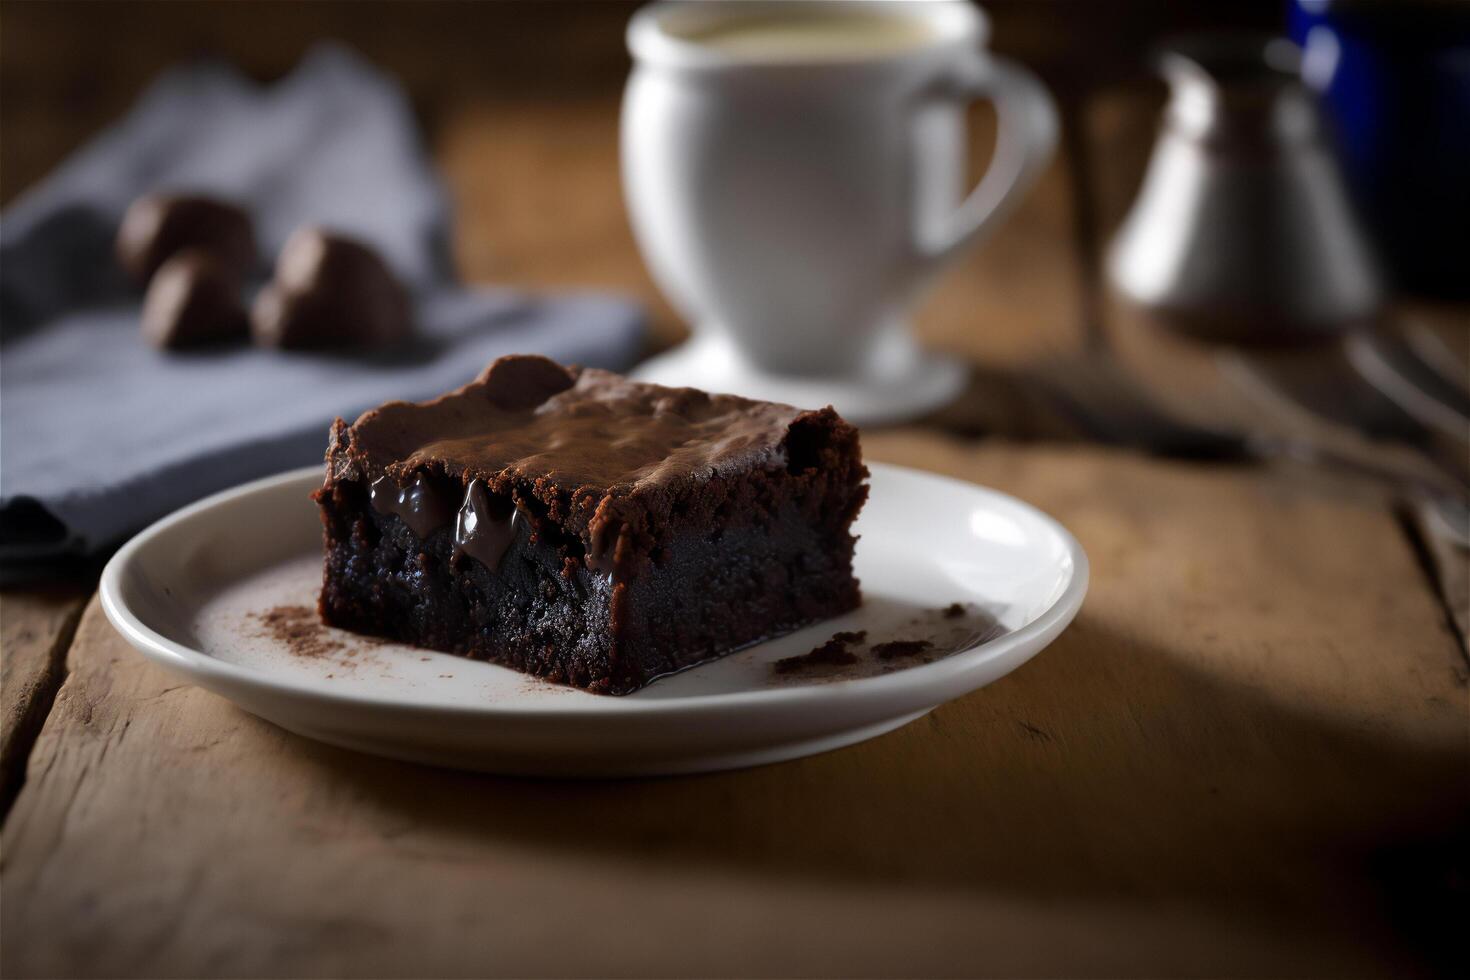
x=898, y=685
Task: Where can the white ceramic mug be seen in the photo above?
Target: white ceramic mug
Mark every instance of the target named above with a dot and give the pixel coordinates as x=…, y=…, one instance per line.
x=796, y=201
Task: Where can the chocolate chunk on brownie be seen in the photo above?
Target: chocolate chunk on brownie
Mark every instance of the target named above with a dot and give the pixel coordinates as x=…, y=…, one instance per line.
x=585, y=528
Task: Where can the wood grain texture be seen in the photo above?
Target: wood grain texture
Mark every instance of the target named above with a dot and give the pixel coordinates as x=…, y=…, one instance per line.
x=36, y=627
x=1245, y=758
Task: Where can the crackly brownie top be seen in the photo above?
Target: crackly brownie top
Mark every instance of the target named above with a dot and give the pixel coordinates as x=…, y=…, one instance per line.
x=581, y=429
x=587, y=455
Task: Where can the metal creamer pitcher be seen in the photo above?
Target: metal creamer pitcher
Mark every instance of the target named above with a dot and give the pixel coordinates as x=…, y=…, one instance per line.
x=1243, y=231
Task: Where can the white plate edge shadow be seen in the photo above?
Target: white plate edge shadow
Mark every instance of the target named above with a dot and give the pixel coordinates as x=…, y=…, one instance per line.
x=903, y=695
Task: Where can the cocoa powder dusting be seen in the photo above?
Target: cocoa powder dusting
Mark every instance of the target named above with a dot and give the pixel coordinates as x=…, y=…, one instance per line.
x=300, y=630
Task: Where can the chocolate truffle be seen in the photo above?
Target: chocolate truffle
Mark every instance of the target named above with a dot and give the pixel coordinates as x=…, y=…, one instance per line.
x=193, y=301
x=330, y=291
x=160, y=225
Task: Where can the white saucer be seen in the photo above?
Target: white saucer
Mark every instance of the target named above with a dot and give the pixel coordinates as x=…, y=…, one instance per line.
x=188, y=592
x=904, y=384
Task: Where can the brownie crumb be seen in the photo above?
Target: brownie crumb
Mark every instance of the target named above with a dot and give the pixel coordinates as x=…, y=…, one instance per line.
x=894, y=649
x=930, y=634
x=299, y=630
x=833, y=653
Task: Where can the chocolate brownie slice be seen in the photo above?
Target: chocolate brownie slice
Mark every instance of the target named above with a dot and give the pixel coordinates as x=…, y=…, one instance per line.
x=588, y=529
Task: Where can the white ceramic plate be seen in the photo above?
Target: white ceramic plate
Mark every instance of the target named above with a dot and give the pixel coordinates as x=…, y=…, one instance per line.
x=193, y=592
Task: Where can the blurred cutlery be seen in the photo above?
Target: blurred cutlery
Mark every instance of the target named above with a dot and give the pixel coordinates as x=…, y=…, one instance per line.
x=1391, y=365
x=1101, y=397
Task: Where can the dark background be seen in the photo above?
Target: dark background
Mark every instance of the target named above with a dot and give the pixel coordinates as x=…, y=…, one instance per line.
x=68, y=68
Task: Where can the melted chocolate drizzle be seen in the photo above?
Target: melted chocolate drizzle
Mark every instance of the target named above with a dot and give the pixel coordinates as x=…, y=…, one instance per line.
x=486, y=526
x=418, y=505
x=528, y=419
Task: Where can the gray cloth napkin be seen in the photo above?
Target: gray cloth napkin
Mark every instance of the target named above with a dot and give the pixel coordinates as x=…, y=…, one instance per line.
x=100, y=433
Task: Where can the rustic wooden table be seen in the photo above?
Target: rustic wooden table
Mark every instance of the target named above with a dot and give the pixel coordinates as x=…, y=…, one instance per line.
x=1250, y=754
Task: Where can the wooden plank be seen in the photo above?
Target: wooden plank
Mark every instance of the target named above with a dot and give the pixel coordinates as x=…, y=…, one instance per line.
x=36, y=627
x=1446, y=563
x=1239, y=761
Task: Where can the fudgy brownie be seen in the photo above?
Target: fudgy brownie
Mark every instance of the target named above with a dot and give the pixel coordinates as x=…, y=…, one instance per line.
x=588, y=529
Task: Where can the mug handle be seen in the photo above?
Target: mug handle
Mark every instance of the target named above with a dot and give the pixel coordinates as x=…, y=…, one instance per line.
x=1025, y=139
